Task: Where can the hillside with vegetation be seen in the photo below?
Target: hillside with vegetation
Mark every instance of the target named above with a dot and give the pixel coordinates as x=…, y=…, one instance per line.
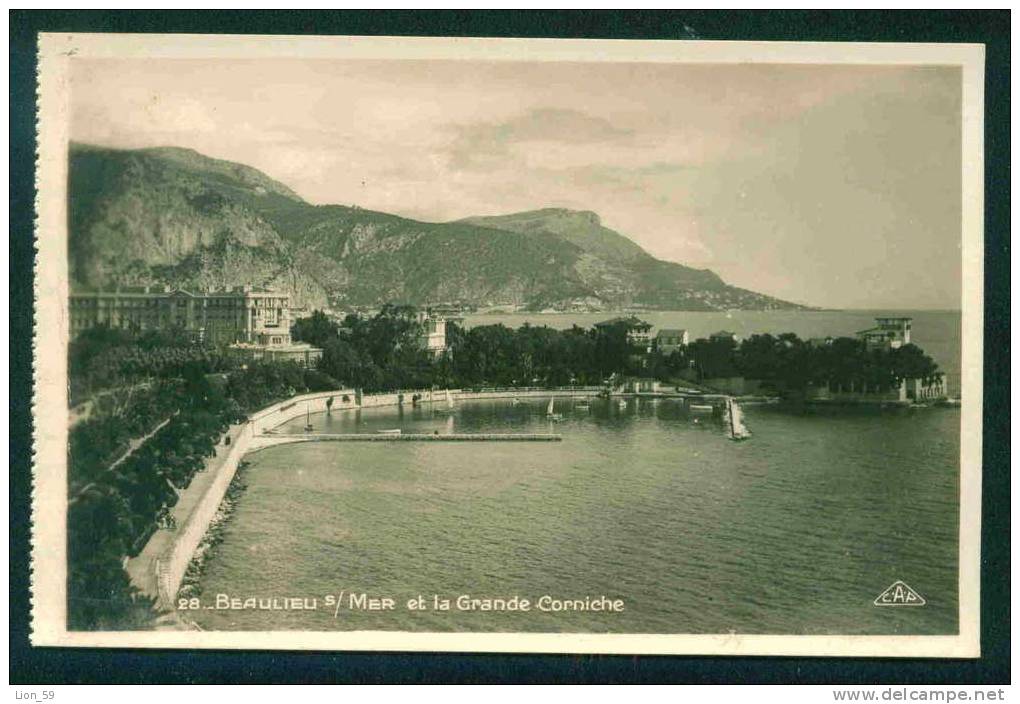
x=168, y=404
x=173, y=216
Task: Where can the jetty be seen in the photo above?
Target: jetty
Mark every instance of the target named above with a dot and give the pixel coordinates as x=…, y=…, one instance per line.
x=419, y=437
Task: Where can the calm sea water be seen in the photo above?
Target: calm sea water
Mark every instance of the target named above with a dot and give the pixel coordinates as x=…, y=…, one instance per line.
x=796, y=530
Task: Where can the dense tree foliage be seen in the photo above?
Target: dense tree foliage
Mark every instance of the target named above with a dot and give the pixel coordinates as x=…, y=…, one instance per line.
x=494, y=355
x=117, y=497
x=102, y=358
x=378, y=353
x=96, y=443
x=788, y=364
x=386, y=352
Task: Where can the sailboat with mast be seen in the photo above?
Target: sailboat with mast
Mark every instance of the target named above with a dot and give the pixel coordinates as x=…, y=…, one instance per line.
x=550, y=412
x=450, y=408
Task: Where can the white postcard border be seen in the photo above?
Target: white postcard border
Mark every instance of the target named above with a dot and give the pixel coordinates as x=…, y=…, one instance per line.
x=49, y=500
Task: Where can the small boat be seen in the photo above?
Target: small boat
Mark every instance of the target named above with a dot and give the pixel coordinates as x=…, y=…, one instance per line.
x=515, y=401
x=549, y=411
x=582, y=406
x=308, y=421
x=389, y=431
x=622, y=404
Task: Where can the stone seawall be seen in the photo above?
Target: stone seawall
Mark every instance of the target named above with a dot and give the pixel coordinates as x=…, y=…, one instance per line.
x=420, y=437
x=474, y=395
x=169, y=567
x=401, y=398
x=171, y=564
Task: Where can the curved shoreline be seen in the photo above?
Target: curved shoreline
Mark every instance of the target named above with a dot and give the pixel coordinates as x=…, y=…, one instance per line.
x=160, y=568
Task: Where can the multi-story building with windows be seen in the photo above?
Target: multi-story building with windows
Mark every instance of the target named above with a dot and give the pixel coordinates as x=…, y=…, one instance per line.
x=221, y=316
x=433, y=331
x=256, y=321
x=668, y=341
x=888, y=332
x=639, y=333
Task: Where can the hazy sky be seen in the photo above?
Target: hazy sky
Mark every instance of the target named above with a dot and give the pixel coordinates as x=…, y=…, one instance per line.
x=829, y=185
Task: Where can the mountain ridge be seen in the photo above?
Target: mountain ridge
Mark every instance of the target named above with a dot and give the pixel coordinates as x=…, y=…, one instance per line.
x=173, y=215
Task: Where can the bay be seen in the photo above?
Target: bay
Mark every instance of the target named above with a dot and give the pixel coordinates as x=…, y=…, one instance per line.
x=795, y=531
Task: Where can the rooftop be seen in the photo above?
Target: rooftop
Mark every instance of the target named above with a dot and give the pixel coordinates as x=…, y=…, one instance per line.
x=877, y=331
x=170, y=290
x=291, y=347
x=632, y=321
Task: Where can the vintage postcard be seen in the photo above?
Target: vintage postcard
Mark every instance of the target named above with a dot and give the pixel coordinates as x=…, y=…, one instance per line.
x=508, y=345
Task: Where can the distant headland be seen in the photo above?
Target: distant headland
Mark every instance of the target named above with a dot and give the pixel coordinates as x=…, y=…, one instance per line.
x=173, y=216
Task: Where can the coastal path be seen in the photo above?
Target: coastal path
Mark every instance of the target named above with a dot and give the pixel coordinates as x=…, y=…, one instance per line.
x=141, y=569
x=132, y=446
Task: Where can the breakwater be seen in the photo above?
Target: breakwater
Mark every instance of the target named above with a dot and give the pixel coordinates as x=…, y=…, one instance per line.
x=163, y=577
x=470, y=395
x=423, y=437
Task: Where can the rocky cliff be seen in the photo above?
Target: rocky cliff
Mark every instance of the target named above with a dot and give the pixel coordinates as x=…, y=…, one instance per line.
x=174, y=216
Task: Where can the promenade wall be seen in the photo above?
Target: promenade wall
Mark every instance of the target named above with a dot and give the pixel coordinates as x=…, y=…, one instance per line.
x=856, y=395
x=397, y=398
x=467, y=395
x=171, y=565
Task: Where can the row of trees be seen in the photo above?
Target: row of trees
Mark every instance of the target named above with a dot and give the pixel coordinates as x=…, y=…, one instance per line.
x=379, y=353
x=789, y=364
x=112, y=517
x=105, y=358
x=117, y=511
x=385, y=352
x=497, y=355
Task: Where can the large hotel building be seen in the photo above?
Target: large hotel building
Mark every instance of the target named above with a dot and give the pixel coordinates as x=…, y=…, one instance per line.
x=251, y=322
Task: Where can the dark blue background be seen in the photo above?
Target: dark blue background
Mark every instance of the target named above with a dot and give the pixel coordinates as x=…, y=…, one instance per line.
x=55, y=665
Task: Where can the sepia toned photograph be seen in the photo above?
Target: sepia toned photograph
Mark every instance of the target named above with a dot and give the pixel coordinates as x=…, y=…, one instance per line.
x=508, y=345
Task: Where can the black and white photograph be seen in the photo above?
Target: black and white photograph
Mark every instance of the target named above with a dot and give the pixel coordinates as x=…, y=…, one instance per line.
x=509, y=345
